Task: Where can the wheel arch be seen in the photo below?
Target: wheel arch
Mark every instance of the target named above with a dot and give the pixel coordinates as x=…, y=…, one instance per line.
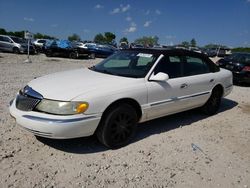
x=220, y=88
x=15, y=49
x=129, y=101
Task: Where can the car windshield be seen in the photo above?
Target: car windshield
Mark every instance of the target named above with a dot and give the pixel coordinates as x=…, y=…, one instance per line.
x=127, y=63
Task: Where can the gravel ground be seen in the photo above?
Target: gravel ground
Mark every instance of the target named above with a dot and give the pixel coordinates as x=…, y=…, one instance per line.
x=160, y=156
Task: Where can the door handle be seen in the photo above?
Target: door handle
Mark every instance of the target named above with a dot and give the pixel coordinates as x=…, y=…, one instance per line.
x=183, y=86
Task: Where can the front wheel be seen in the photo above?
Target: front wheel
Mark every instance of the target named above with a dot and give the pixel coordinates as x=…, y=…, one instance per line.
x=49, y=53
x=118, y=126
x=73, y=55
x=213, y=103
x=16, y=51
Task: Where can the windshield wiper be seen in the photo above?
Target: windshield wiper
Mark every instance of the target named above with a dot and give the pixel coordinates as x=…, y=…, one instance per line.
x=93, y=68
x=108, y=72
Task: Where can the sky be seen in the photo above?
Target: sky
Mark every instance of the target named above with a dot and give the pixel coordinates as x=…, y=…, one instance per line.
x=225, y=22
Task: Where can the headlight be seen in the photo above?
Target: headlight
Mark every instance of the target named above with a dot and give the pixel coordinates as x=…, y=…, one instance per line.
x=61, y=107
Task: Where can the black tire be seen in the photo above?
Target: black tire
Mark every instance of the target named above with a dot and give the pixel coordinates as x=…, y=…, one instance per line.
x=73, y=55
x=49, y=54
x=118, y=126
x=213, y=104
x=16, y=51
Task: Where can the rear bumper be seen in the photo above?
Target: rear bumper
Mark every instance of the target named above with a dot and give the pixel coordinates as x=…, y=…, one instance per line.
x=53, y=126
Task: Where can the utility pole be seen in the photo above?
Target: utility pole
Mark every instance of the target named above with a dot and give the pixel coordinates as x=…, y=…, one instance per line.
x=28, y=36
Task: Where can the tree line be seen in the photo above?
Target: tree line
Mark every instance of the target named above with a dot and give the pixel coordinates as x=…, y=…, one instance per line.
x=110, y=38
x=21, y=34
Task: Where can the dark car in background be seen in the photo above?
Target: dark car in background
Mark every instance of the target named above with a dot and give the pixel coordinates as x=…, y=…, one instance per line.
x=219, y=52
x=239, y=64
x=64, y=48
x=15, y=44
x=80, y=46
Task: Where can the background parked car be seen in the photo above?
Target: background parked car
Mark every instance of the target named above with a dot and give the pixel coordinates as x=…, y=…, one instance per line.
x=64, y=48
x=124, y=45
x=220, y=52
x=80, y=46
x=100, y=50
x=39, y=44
x=15, y=44
x=239, y=64
x=133, y=45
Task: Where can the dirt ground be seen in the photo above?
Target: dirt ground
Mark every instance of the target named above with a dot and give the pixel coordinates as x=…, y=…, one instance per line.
x=184, y=150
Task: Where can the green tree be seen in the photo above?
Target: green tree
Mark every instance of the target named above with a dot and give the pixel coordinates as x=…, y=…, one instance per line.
x=215, y=46
x=99, y=38
x=38, y=36
x=185, y=44
x=19, y=34
x=241, y=49
x=193, y=42
x=156, y=40
x=147, y=41
x=74, y=37
x=42, y=36
x=109, y=37
x=2, y=31
x=123, y=39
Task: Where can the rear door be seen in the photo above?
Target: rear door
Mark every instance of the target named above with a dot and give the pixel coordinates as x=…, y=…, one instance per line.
x=199, y=80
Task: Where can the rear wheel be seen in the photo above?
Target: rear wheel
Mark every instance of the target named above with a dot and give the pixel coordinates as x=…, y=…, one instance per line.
x=213, y=103
x=92, y=56
x=118, y=126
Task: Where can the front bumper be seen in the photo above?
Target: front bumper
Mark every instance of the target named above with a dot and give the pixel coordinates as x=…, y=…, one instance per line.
x=54, y=126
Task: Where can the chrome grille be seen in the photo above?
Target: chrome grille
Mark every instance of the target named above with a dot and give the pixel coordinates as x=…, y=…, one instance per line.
x=26, y=103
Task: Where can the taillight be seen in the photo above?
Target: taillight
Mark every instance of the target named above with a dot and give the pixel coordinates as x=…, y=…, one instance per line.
x=246, y=68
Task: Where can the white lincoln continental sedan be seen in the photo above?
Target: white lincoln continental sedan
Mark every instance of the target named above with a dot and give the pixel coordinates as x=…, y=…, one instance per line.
x=111, y=98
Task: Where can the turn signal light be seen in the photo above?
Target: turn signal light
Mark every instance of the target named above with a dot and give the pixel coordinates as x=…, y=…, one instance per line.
x=82, y=107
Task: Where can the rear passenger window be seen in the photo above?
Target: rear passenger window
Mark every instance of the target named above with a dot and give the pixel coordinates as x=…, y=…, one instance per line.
x=194, y=66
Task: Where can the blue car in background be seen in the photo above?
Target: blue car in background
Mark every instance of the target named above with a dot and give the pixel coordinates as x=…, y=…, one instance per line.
x=100, y=50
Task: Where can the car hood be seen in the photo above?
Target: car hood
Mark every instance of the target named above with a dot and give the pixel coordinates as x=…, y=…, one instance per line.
x=68, y=85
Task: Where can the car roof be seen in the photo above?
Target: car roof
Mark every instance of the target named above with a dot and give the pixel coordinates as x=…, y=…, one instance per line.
x=158, y=51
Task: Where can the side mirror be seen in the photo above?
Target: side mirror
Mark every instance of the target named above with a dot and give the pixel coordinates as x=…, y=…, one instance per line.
x=159, y=77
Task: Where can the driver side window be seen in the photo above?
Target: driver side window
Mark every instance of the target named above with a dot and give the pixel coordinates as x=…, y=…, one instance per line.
x=171, y=65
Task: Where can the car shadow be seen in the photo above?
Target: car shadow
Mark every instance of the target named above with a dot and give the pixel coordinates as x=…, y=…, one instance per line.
x=91, y=144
